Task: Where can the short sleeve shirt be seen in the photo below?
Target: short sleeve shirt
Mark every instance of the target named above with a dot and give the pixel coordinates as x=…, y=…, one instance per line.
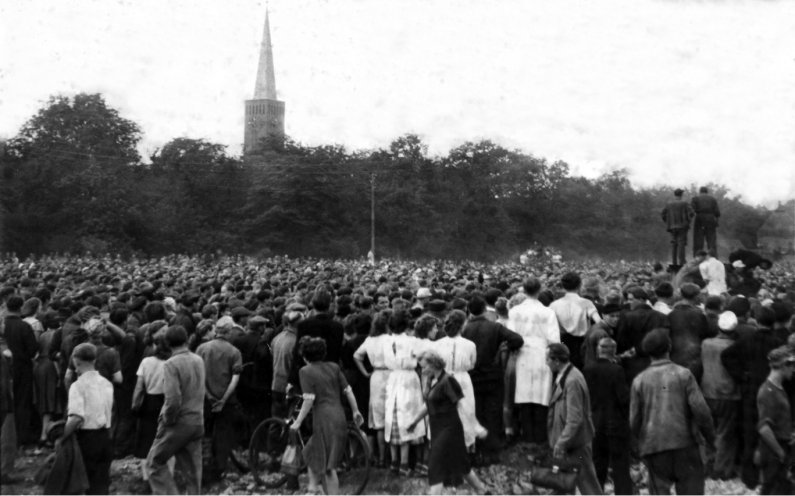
x=221, y=361
x=91, y=398
x=574, y=313
x=151, y=370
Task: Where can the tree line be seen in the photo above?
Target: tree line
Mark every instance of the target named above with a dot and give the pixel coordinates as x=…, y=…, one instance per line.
x=73, y=181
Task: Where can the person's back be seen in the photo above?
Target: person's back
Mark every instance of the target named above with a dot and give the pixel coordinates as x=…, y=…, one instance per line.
x=184, y=388
x=689, y=327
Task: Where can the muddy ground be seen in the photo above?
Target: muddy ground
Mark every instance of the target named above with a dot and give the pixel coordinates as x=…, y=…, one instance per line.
x=511, y=476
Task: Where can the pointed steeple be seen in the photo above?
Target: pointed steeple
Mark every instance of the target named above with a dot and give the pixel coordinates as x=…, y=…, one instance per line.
x=265, y=87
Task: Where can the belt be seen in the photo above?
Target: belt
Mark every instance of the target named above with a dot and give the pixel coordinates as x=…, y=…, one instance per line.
x=380, y=368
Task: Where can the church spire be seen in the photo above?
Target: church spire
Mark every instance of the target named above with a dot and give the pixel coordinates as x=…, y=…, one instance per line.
x=265, y=87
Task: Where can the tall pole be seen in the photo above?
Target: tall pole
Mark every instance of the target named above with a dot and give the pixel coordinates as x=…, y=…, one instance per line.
x=372, y=213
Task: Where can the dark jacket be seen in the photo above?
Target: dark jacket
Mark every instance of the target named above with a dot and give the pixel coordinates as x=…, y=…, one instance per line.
x=677, y=215
x=323, y=326
x=609, y=391
x=21, y=342
x=633, y=325
x=706, y=209
x=68, y=473
x=488, y=336
x=746, y=359
x=689, y=327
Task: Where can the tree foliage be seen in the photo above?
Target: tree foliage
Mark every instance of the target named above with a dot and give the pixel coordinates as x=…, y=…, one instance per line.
x=72, y=180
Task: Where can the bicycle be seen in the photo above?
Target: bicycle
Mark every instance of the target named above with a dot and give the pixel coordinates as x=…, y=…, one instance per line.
x=270, y=439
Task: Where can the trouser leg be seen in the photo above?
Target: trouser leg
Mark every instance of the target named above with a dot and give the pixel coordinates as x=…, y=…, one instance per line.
x=587, y=482
x=749, y=472
x=223, y=436
x=689, y=471
x=97, y=451
x=8, y=444
x=487, y=410
x=712, y=240
x=601, y=456
x=169, y=441
x=189, y=463
x=698, y=238
x=725, y=414
x=661, y=473
x=619, y=461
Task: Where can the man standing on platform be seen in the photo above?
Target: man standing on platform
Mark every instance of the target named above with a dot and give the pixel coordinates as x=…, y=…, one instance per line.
x=707, y=212
x=677, y=216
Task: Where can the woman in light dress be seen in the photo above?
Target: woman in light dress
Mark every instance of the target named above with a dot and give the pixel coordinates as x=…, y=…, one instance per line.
x=373, y=350
x=403, y=392
x=459, y=355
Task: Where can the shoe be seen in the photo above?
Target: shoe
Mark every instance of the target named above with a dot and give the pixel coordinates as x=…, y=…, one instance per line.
x=421, y=470
x=404, y=471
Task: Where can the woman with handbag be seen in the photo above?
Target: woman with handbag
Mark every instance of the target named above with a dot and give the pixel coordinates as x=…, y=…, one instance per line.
x=322, y=384
x=448, y=462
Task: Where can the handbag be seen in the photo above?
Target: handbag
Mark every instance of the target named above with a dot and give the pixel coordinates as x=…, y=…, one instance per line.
x=556, y=474
x=292, y=458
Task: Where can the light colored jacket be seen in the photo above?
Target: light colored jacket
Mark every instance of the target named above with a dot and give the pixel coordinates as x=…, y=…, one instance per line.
x=538, y=326
x=569, y=421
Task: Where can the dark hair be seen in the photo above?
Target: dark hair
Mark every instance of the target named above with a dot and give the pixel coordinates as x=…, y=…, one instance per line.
x=423, y=326
x=176, y=336
x=454, y=323
x=31, y=307
x=162, y=349
x=398, y=321
x=765, y=317
x=118, y=316
x=532, y=286
x=380, y=323
x=501, y=306
x=664, y=290
x=703, y=189
x=321, y=300
x=209, y=311
x=559, y=352
x=313, y=349
x=155, y=310
x=14, y=303
x=491, y=296
x=361, y=324
x=713, y=303
x=477, y=305
x=783, y=311
x=657, y=343
x=570, y=281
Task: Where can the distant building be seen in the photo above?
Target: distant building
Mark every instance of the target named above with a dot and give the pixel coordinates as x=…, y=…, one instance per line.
x=264, y=113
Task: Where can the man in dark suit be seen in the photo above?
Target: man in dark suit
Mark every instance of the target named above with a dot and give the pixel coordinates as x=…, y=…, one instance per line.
x=609, y=392
x=677, y=216
x=705, y=224
x=320, y=325
x=633, y=325
x=689, y=327
x=23, y=346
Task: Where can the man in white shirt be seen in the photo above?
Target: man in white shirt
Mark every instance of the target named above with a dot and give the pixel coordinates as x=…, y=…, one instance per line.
x=88, y=415
x=575, y=315
x=665, y=298
x=713, y=272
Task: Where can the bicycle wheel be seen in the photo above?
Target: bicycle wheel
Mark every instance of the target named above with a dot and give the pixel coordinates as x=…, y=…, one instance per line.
x=354, y=470
x=265, y=452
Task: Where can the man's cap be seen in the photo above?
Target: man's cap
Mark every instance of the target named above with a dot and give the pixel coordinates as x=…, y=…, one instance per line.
x=738, y=264
x=689, y=290
x=727, y=321
x=86, y=352
x=739, y=305
x=238, y=312
x=257, y=320
x=423, y=293
x=679, y=192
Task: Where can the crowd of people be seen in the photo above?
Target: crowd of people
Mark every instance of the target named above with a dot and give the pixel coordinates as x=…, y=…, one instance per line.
x=443, y=364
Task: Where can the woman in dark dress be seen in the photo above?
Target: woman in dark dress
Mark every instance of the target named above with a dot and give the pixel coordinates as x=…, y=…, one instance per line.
x=45, y=374
x=322, y=384
x=448, y=462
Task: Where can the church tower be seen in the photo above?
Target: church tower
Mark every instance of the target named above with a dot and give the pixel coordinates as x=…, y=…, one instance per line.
x=264, y=113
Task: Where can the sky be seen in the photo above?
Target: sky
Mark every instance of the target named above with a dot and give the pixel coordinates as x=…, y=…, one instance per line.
x=677, y=92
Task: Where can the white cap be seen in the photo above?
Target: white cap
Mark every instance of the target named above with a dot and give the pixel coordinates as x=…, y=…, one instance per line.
x=738, y=264
x=727, y=321
x=423, y=293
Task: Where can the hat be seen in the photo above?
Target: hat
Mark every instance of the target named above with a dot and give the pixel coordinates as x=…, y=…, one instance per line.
x=739, y=305
x=779, y=356
x=238, y=312
x=86, y=352
x=727, y=321
x=611, y=308
x=437, y=305
x=257, y=320
x=689, y=290
x=738, y=264
x=423, y=293
x=225, y=321
x=678, y=192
